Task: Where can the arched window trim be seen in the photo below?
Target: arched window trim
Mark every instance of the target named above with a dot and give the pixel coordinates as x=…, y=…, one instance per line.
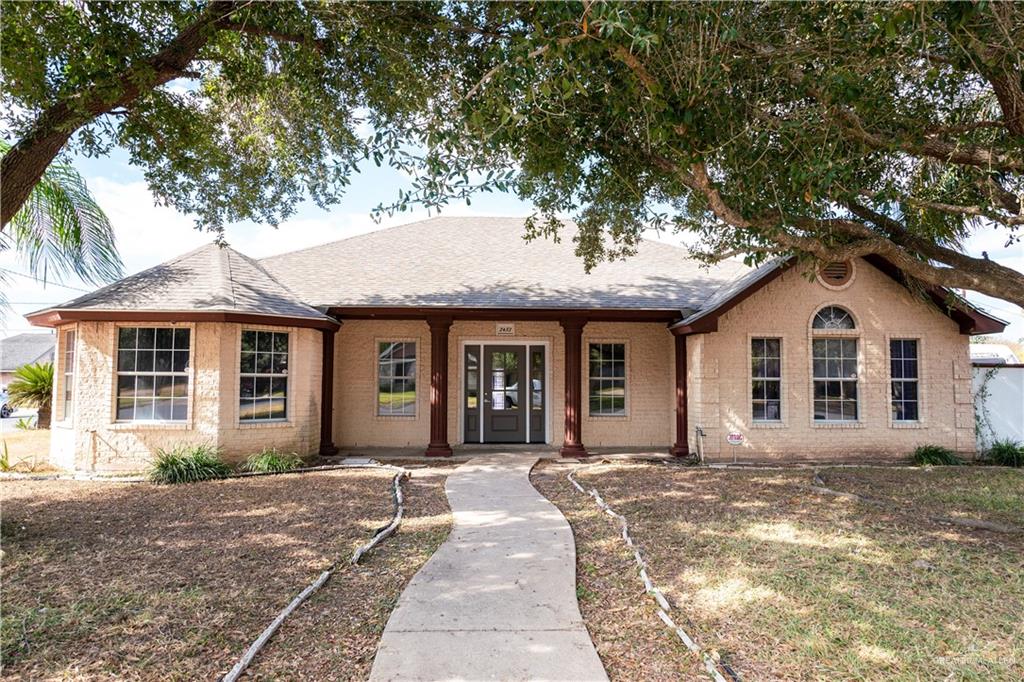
x=855, y=329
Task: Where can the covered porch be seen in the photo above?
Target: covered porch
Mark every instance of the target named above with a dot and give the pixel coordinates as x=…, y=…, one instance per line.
x=461, y=398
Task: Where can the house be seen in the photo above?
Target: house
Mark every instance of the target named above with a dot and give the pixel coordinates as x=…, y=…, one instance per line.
x=993, y=354
x=23, y=349
x=456, y=331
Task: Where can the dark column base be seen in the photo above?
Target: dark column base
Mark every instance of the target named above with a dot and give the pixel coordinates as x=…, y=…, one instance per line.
x=573, y=451
x=442, y=450
x=679, y=451
x=328, y=449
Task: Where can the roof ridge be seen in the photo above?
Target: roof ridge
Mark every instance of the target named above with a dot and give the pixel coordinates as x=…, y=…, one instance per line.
x=256, y=264
x=226, y=252
x=386, y=229
x=94, y=294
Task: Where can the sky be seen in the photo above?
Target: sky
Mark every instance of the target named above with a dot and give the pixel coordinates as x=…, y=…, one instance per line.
x=148, y=234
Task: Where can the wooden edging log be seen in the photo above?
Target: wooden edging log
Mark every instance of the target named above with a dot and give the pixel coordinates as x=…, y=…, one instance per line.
x=663, y=607
x=381, y=534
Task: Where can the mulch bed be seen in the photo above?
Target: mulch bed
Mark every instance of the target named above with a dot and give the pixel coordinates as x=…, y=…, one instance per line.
x=786, y=584
x=136, y=581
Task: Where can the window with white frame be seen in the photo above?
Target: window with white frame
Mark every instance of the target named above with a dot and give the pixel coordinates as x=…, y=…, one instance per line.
x=766, y=379
x=396, y=378
x=903, y=370
x=607, y=373
x=263, y=376
x=152, y=373
x=835, y=379
x=69, y=374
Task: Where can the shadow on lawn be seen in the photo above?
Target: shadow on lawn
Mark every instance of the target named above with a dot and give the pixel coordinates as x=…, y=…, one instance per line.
x=786, y=583
x=120, y=579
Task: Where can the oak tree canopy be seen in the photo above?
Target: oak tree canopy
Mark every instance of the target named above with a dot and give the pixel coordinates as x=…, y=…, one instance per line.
x=825, y=131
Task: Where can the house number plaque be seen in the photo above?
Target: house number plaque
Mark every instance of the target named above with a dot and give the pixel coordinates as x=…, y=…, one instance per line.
x=505, y=329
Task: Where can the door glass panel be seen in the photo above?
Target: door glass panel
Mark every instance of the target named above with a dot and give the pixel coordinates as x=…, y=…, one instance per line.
x=472, y=379
x=504, y=380
x=537, y=379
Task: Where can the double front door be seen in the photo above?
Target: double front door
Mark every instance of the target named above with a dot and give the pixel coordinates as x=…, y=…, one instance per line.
x=505, y=394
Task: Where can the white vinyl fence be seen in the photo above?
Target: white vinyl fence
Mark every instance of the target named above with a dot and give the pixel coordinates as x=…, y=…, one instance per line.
x=999, y=403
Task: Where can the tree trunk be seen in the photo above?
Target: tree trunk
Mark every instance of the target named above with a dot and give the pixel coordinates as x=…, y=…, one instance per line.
x=43, y=418
x=25, y=163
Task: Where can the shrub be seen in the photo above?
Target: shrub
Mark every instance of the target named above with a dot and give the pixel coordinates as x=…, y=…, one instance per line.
x=1007, y=453
x=32, y=386
x=269, y=460
x=188, y=463
x=935, y=455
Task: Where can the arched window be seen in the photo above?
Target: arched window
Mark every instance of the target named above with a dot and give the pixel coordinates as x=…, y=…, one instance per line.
x=834, y=361
x=833, y=317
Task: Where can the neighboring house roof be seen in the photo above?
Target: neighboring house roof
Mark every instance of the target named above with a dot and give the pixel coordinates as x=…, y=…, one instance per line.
x=486, y=263
x=25, y=349
x=212, y=280
x=993, y=354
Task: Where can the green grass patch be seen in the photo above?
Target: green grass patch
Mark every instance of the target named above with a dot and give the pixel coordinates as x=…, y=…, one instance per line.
x=188, y=464
x=270, y=461
x=935, y=455
x=1007, y=453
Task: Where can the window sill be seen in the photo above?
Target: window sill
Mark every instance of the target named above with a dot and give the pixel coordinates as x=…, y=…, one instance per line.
x=151, y=426
x=395, y=417
x=769, y=425
x=265, y=424
x=907, y=425
x=838, y=425
x=609, y=417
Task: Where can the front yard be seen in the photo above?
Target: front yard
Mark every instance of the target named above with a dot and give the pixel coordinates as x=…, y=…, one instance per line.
x=140, y=581
x=786, y=583
x=25, y=449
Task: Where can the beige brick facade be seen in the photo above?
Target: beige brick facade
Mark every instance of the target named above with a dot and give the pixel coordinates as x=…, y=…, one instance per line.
x=90, y=439
x=719, y=400
x=649, y=420
x=719, y=373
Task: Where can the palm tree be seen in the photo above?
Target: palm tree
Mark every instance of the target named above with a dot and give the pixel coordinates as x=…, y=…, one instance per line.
x=33, y=387
x=61, y=230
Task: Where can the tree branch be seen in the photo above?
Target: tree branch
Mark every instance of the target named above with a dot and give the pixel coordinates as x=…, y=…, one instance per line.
x=23, y=166
x=931, y=147
x=318, y=44
x=912, y=254
x=977, y=211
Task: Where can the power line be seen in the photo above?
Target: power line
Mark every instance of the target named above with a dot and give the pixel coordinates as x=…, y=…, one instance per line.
x=43, y=281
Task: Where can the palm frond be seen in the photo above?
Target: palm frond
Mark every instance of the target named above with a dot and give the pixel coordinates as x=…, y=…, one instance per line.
x=32, y=385
x=61, y=230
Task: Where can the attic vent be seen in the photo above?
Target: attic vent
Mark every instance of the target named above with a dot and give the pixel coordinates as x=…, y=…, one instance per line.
x=836, y=273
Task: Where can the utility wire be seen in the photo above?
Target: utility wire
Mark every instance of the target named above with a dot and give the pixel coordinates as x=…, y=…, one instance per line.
x=43, y=281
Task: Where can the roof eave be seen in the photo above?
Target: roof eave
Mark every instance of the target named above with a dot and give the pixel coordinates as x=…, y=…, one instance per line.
x=53, y=317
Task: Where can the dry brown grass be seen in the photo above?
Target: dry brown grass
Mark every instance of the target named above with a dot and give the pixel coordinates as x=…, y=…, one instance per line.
x=787, y=584
x=632, y=642
x=27, y=450
x=144, y=582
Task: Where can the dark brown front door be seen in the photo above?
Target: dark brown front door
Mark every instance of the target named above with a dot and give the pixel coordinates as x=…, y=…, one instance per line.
x=506, y=394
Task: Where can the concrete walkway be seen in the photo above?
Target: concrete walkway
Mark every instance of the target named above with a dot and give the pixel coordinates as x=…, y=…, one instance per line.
x=497, y=601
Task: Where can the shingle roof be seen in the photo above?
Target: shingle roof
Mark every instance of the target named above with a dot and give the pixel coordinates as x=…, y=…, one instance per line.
x=25, y=349
x=486, y=263
x=728, y=291
x=209, y=279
